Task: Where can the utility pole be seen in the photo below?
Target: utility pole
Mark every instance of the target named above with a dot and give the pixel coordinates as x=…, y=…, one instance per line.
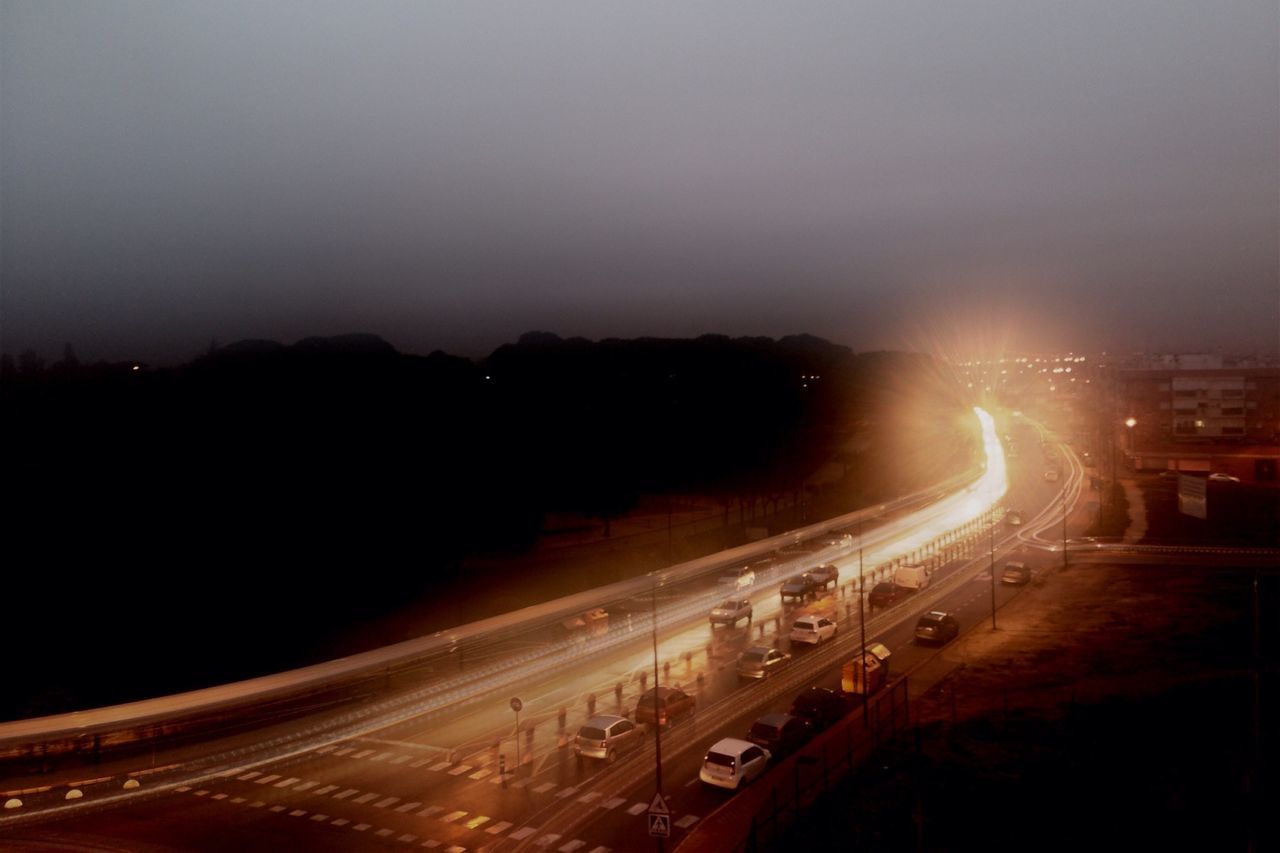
x=862, y=627
x=1064, y=527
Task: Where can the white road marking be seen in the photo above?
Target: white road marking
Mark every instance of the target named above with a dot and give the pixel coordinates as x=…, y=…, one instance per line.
x=325, y=750
x=360, y=827
x=571, y=846
x=401, y=759
x=590, y=796
x=460, y=769
x=327, y=789
x=382, y=804
x=499, y=827
x=277, y=808
x=430, y=810
x=362, y=753
x=265, y=780
x=340, y=821
x=256, y=804
x=201, y=792
x=408, y=807
x=452, y=816
x=382, y=756
x=344, y=794
x=218, y=797
x=636, y=808
x=345, y=751
x=544, y=787
x=601, y=850
x=439, y=765
x=548, y=839
x=477, y=821
x=364, y=798
x=252, y=774
x=481, y=773
x=612, y=803
x=297, y=813
x=319, y=818
x=566, y=792
x=420, y=762
x=285, y=783
x=237, y=800
x=523, y=833
x=407, y=838
x=182, y=789
x=384, y=832
x=687, y=821
x=305, y=786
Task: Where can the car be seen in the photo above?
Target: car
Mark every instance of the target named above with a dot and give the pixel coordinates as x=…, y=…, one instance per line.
x=739, y=578
x=838, y=540
x=781, y=734
x=825, y=575
x=1219, y=477
x=799, y=549
x=799, y=587
x=761, y=662
x=1051, y=476
x=820, y=706
x=606, y=737
x=812, y=630
x=937, y=627
x=1013, y=518
x=731, y=763
x=663, y=706
x=1016, y=573
x=731, y=611
x=887, y=594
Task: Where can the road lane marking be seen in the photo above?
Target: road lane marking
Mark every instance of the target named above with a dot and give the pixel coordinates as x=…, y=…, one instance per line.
x=431, y=842
x=477, y=822
x=297, y=813
x=523, y=832
x=382, y=804
x=344, y=794
x=384, y=832
x=340, y=821
x=439, y=765
x=266, y=780
x=201, y=792
x=481, y=773
x=362, y=753
x=613, y=803
x=382, y=756
x=256, y=804
x=548, y=839
x=499, y=827
x=407, y=838
x=325, y=750
x=218, y=797
x=285, y=783
x=590, y=796
x=364, y=798
x=601, y=849
x=252, y=774
x=408, y=807
x=319, y=818
x=566, y=792
x=544, y=787
x=452, y=816
x=182, y=789
x=401, y=759
x=277, y=808
x=571, y=846
x=345, y=751
x=687, y=821
x=420, y=762
x=637, y=808
x=455, y=849
x=460, y=769
x=237, y=800
x=430, y=810
x=305, y=786
x=361, y=827
x=327, y=789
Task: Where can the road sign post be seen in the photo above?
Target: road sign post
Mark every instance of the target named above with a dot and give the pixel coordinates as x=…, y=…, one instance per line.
x=659, y=819
x=516, y=705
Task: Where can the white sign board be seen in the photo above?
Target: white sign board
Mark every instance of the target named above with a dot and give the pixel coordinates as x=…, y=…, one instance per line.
x=1192, y=496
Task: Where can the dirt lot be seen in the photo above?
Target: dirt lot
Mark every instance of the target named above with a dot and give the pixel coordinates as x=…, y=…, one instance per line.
x=1113, y=708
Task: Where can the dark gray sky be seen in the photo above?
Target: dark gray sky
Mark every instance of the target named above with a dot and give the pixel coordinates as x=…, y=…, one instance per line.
x=449, y=175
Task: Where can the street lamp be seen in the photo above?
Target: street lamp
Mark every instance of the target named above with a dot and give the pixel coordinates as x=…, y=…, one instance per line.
x=993, y=567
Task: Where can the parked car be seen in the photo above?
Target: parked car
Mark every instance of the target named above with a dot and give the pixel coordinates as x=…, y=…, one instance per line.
x=798, y=588
x=838, y=540
x=812, y=630
x=825, y=575
x=820, y=706
x=1013, y=518
x=887, y=594
x=606, y=737
x=671, y=704
x=761, y=662
x=781, y=734
x=731, y=763
x=739, y=578
x=1016, y=573
x=937, y=627
x=1223, y=478
x=731, y=611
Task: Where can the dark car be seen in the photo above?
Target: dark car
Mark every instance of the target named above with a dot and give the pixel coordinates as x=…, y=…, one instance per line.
x=671, y=705
x=887, y=594
x=799, y=587
x=1013, y=518
x=824, y=575
x=820, y=706
x=781, y=734
x=937, y=627
x=1016, y=573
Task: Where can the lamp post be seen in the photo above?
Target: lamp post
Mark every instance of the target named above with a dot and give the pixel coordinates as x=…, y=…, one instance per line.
x=993, y=567
x=862, y=626
x=657, y=728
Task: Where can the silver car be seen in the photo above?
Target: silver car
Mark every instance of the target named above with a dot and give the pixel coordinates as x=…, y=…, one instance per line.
x=760, y=662
x=606, y=737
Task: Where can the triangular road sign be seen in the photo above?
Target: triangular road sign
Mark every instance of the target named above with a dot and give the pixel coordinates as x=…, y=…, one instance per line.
x=659, y=826
x=659, y=805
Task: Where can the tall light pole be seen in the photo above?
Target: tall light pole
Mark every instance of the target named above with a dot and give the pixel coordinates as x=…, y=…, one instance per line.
x=657, y=728
x=1064, y=527
x=862, y=626
x=993, y=567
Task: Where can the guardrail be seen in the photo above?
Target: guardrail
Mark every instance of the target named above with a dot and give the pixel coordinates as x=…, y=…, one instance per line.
x=239, y=706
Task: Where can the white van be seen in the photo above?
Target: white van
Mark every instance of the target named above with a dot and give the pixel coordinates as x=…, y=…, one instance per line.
x=912, y=577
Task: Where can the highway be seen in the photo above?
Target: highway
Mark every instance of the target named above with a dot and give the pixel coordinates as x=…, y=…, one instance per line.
x=426, y=771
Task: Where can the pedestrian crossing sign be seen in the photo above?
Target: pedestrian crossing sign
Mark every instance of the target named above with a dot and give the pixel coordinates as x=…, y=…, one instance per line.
x=659, y=825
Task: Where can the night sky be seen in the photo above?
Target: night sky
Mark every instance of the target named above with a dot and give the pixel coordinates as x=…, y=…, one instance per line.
x=448, y=175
